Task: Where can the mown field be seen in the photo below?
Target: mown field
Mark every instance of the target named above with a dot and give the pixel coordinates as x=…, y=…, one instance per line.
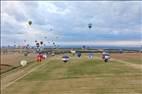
x=80, y=76
x=12, y=60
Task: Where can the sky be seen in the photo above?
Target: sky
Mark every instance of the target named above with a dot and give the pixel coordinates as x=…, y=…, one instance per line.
x=114, y=23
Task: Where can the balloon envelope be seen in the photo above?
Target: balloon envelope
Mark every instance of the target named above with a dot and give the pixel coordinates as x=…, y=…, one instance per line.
x=37, y=44
x=23, y=63
x=90, y=25
x=30, y=22
x=41, y=42
x=35, y=40
x=65, y=58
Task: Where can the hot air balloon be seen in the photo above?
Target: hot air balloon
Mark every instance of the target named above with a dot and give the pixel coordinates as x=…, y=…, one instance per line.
x=35, y=40
x=65, y=58
x=90, y=55
x=89, y=25
x=41, y=42
x=83, y=47
x=37, y=44
x=30, y=23
x=78, y=54
x=45, y=37
x=23, y=63
x=51, y=29
x=28, y=45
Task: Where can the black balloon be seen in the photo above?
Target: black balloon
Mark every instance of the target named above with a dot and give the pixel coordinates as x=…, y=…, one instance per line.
x=30, y=22
x=35, y=40
x=37, y=44
x=90, y=26
x=41, y=42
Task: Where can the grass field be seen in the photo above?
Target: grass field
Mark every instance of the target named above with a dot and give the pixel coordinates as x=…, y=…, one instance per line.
x=130, y=57
x=80, y=76
x=11, y=60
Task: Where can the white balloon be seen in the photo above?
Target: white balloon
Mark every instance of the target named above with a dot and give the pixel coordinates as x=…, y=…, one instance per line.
x=45, y=56
x=73, y=51
x=65, y=59
x=23, y=63
x=107, y=57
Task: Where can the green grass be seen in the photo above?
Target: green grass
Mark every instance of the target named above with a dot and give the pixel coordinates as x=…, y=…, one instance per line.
x=134, y=61
x=56, y=69
x=98, y=67
x=80, y=76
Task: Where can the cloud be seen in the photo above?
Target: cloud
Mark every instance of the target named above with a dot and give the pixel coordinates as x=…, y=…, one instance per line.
x=119, y=21
x=104, y=43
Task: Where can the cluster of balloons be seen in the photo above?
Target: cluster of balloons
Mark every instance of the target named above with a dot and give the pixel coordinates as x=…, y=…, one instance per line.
x=26, y=45
x=39, y=45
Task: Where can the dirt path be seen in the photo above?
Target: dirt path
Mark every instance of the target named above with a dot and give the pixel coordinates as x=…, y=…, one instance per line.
x=13, y=77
